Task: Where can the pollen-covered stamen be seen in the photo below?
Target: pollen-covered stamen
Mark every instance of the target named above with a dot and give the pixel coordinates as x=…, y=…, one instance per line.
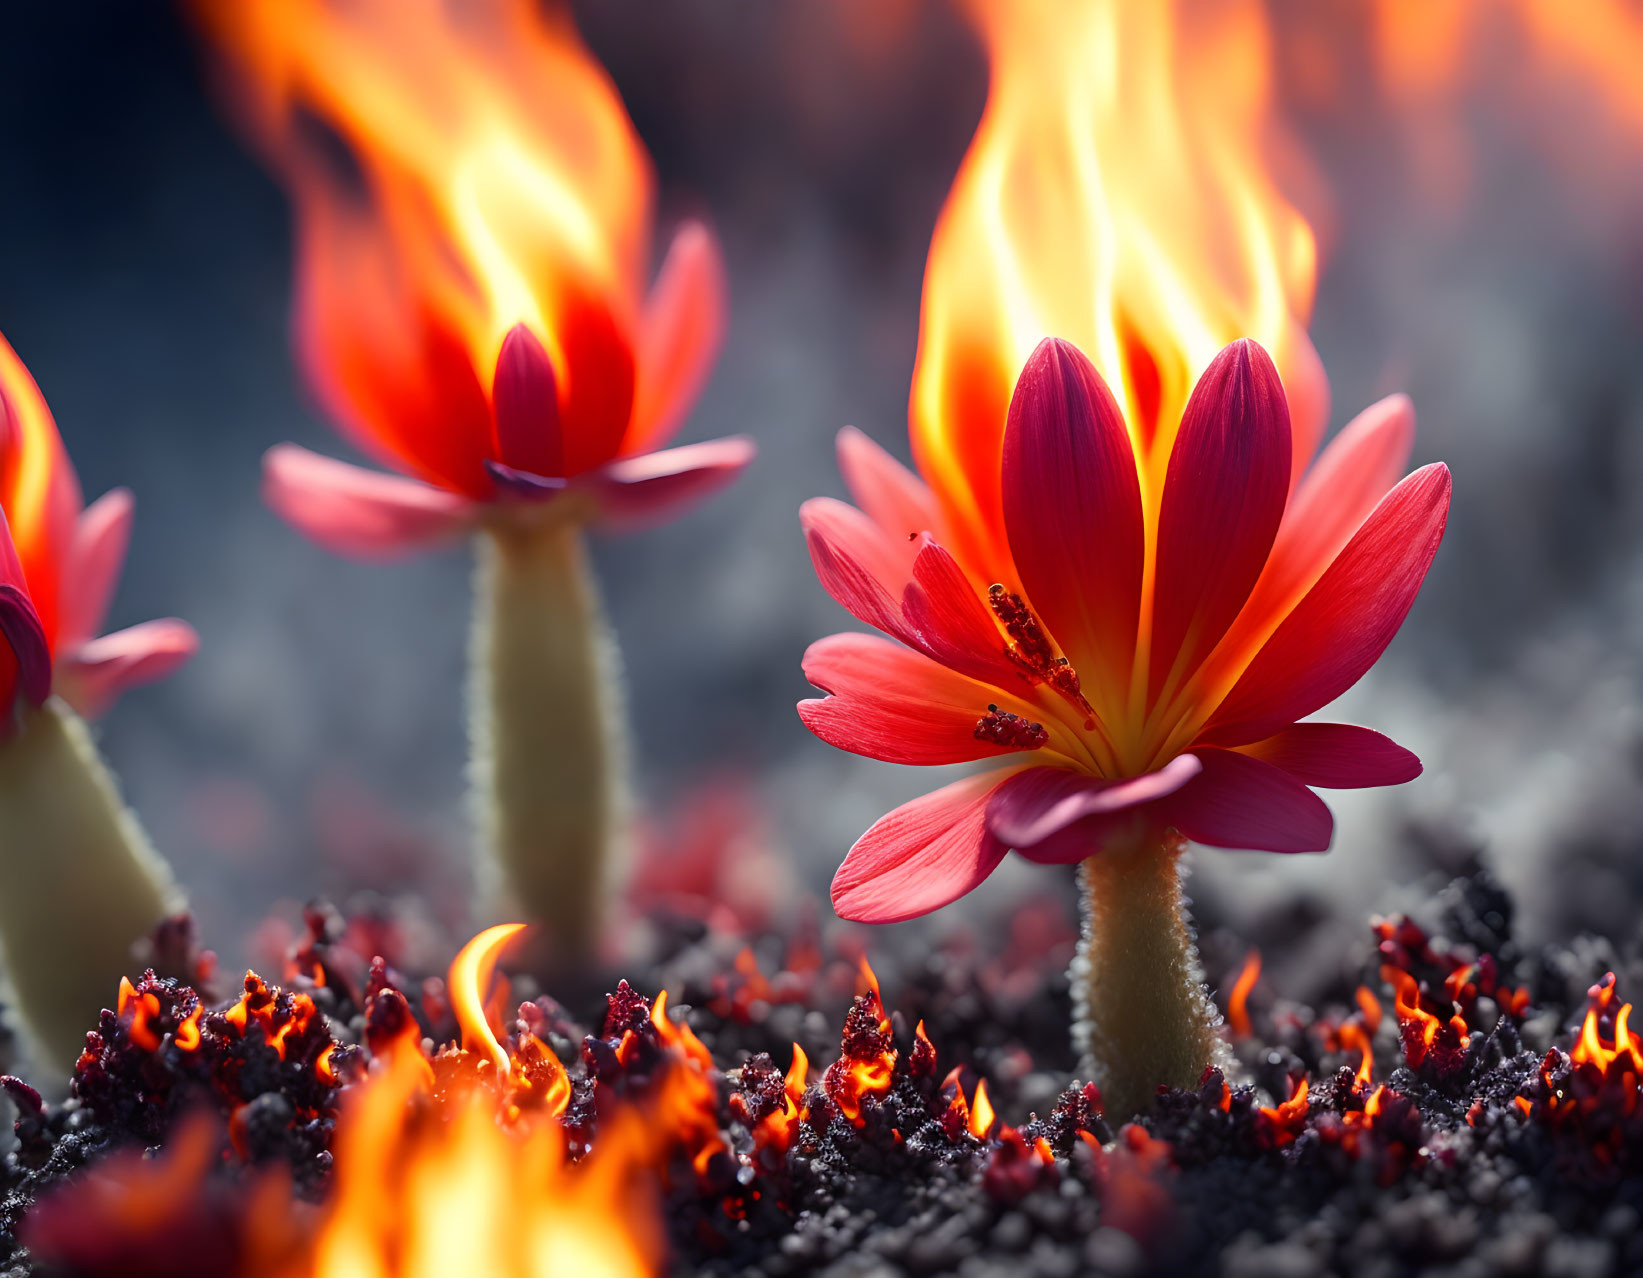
x=1011, y=731
x=1032, y=653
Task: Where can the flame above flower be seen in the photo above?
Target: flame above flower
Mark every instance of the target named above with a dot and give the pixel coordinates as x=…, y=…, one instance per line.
x=473, y=225
x=487, y=176
x=1115, y=195
x=1424, y=51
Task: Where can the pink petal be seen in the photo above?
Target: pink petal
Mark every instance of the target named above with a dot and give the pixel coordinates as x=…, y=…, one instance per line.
x=1072, y=508
x=652, y=488
x=1336, y=756
x=1346, y=620
x=525, y=406
x=889, y=494
x=91, y=677
x=94, y=562
x=361, y=513
x=897, y=705
x=1240, y=802
x=856, y=564
x=683, y=324
x=1306, y=388
x=1357, y=469
x=944, y=608
x=1040, y=802
x=25, y=665
x=1224, y=495
x=924, y=855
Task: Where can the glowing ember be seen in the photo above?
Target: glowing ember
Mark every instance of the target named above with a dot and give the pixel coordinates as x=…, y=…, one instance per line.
x=868, y=1065
x=1286, y=1119
x=1426, y=1037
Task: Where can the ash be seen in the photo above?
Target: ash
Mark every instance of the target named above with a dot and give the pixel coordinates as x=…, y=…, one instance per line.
x=1451, y=1104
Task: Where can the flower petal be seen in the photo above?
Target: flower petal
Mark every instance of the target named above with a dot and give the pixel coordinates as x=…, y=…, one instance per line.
x=1346, y=620
x=1357, y=469
x=1223, y=500
x=943, y=607
x=595, y=367
x=679, y=335
x=94, y=562
x=525, y=406
x=897, y=705
x=1072, y=508
x=1240, y=802
x=1336, y=756
x=924, y=855
x=856, y=564
x=362, y=513
x=26, y=667
x=652, y=488
x=889, y=494
x=91, y=677
x=1040, y=802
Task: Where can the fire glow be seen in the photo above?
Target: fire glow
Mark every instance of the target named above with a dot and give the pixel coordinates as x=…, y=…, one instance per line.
x=1116, y=194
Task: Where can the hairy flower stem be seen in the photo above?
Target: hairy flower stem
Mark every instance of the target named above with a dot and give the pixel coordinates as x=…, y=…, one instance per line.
x=1141, y=1016
x=548, y=749
x=83, y=885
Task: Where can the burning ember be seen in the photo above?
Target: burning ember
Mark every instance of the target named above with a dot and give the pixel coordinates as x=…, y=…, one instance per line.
x=396, y=1126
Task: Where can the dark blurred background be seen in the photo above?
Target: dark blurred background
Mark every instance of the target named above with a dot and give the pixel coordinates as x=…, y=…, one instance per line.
x=1485, y=257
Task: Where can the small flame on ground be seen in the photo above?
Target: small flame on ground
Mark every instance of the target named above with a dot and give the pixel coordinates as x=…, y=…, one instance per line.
x=468, y=983
x=1238, y=1002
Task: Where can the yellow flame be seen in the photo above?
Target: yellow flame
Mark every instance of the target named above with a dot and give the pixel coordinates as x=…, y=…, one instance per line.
x=1115, y=195
x=436, y=1199
x=457, y=169
x=470, y=981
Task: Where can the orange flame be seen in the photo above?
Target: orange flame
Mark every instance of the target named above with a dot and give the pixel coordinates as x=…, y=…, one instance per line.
x=1369, y=1007
x=776, y=1130
x=1287, y=1118
x=1623, y=1047
x=1353, y=1037
x=1420, y=1029
x=1423, y=50
x=467, y=1196
x=457, y=170
x=141, y=1009
x=469, y=980
x=982, y=1116
x=1115, y=195
x=1238, y=1003
x=851, y=1079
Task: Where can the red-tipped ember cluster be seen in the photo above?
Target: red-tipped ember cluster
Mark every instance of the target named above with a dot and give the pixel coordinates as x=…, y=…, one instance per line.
x=1590, y=1094
x=1436, y=990
x=387, y=1101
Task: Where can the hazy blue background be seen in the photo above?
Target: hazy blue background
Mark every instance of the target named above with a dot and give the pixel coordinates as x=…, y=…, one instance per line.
x=144, y=277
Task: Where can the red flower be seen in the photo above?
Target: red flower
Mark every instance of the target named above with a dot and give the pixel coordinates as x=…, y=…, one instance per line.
x=473, y=228
x=1147, y=651
x=59, y=562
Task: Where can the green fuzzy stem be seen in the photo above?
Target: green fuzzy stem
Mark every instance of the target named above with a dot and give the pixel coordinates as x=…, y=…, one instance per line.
x=549, y=758
x=1141, y=1016
x=83, y=885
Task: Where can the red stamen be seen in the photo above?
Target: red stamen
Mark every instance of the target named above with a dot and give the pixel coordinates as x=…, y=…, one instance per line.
x=1010, y=730
x=1033, y=654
